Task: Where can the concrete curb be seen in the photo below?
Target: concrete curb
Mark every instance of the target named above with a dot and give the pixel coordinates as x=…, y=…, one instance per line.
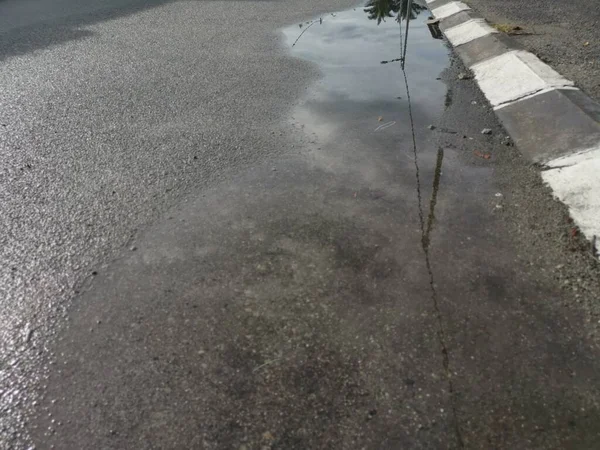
x=551, y=121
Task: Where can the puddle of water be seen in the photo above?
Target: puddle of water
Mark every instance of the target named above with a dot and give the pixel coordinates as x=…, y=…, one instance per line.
x=349, y=48
x=360, y=104
x=363, y=79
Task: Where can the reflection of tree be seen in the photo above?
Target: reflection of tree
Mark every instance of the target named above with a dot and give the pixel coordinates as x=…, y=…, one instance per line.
x=380, y=9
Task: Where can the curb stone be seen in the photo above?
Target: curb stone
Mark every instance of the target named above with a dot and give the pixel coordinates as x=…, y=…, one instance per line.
x=550, y=120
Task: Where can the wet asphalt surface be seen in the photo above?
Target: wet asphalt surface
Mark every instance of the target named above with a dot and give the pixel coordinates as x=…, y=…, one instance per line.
x=220, y=245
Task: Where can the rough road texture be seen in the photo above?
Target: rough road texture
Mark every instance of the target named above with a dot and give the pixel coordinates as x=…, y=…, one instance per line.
x=110, y=113
x=293, y=309
x=563, y=33
x=283, y=301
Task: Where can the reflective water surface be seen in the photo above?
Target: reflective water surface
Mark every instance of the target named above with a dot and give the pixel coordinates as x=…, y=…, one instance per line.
x=353, y=53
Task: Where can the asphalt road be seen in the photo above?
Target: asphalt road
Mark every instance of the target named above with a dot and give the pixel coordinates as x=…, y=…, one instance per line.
x=209, y=242
x=111, y=112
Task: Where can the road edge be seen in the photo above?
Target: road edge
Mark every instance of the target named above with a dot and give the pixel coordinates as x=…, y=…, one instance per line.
x=552, y=122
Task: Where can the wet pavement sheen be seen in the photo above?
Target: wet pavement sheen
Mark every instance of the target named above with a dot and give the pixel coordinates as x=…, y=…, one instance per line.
x=330, y=298
x=353, y=53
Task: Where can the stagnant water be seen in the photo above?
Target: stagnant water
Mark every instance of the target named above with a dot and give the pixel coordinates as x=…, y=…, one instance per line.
x=359, y=60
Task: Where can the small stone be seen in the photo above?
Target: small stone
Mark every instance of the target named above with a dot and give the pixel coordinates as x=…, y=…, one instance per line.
x=464, y=76
x=133, y=249
x=268, y=436
x=498, y=194
x=486, y=131
x=431, y=127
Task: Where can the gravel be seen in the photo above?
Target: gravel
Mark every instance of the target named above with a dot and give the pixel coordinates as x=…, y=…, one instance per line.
x=563, y=33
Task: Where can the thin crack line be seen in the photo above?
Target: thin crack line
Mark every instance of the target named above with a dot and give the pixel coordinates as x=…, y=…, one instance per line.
x=433, y=201
x=425, y=245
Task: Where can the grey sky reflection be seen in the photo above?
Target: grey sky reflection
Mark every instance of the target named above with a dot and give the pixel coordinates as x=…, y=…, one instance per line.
x=349, y=49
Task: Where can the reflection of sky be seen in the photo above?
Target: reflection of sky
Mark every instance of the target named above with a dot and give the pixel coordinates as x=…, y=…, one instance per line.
x=349, y=49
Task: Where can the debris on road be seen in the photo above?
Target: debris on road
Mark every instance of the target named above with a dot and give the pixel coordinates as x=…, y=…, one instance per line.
x=371, y=414
x=29, y=330
x=486, y=131
x=431, y=127
x=268, y=436
x=464, y=76
x=448, y=131
x=507, y=29
x=385, y=125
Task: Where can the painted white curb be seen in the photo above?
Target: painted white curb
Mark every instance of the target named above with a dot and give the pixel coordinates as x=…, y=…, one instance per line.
x=449, y=9
x=518, y=75
x=576, y=183
x=468, y=31
x=514, y=75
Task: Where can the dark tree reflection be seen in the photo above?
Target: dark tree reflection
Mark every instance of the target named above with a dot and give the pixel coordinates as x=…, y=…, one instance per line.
x=381, y=9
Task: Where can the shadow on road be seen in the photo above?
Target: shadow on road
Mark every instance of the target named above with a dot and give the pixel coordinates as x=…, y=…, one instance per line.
x=27, y=26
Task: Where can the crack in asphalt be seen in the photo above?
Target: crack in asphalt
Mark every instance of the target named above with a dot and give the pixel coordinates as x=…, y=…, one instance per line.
x=433, y=201
x=425, y=242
